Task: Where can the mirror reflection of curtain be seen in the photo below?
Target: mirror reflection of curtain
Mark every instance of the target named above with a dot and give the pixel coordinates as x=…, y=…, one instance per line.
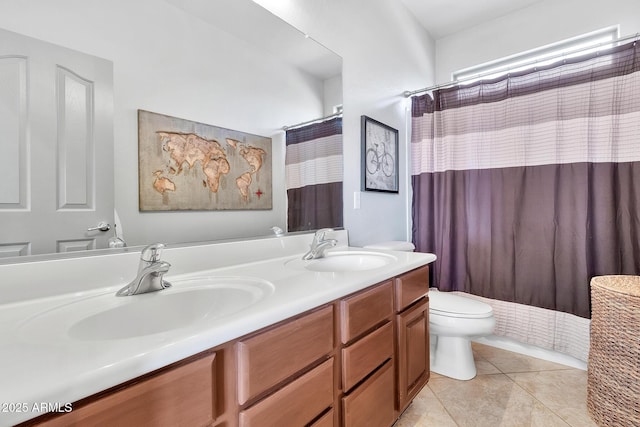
x=528, y=185
x=314, y=176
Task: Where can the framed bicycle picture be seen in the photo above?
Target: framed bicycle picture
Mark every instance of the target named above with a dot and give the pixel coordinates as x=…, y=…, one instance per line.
x=379, y=156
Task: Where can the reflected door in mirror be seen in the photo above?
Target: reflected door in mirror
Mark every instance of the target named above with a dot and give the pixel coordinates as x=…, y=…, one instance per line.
x=56, y=122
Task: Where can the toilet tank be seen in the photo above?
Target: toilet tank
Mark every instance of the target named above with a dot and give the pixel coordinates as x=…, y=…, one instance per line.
x=394, y=245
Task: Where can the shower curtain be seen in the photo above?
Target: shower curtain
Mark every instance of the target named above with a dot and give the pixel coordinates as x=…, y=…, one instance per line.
x=313, y=165
x=528, y=185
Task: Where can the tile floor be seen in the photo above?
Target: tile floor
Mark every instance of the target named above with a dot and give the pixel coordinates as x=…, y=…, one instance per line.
x=510, y=390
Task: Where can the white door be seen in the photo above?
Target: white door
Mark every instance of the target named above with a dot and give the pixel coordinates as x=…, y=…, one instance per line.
x=56, y=142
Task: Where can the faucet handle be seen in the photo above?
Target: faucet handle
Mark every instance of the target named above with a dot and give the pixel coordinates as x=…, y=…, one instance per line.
x=321, y=232
x=152, y=253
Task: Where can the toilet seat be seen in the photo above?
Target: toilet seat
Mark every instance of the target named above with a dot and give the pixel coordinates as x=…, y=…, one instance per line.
x=452, y=305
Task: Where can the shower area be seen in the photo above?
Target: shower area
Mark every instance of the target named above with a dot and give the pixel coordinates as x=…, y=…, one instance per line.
x=528, y=185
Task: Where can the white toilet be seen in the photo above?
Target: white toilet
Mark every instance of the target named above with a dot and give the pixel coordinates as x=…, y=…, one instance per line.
x=394, y=245
x=453, y=321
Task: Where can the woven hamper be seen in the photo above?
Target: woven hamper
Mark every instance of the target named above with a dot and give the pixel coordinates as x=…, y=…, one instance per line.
x=613, y=373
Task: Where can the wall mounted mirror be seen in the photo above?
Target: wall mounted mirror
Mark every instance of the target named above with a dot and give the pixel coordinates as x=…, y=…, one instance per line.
x=228, y=63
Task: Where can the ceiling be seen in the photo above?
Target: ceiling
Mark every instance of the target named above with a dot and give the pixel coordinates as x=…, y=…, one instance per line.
x=445, y=17
x=257, y=26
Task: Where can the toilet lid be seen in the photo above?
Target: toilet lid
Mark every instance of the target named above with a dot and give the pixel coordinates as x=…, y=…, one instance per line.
x=453, y=305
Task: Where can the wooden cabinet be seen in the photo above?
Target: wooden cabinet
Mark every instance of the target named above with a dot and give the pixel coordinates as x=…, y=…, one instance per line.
x=367, y=357
x=358, y=361
x=296, y=404
x=379, y=379
x=410, y=287
x=413, y=352
x=364, y=310
x=180, y=396
x=277, y=382
x=371, y=404
x=268, y=358
x=412, y=325
x=325, y=420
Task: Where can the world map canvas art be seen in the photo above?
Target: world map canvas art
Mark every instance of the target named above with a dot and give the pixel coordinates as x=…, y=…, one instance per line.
x=185, y=165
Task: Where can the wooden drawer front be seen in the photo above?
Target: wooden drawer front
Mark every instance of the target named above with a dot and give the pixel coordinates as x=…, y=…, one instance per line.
x=326, y=420
x=372, y=403
x=365, y=355
x=296, y=404
x=413, y=352
x=269, y=358
x=365, y=310
x=411, y=286
x=182, y=396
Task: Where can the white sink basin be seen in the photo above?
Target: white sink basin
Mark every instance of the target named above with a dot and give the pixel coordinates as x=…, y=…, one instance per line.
x=188, y=302
x=344, y=261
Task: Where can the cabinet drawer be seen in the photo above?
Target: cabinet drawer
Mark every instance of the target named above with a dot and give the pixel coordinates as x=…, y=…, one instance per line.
x=184, y=395
x=372, y=403
x=326, y=420
x=297, y=403
x=272, y=356
x=412, y=286
x=365, y=355
x=365, y=310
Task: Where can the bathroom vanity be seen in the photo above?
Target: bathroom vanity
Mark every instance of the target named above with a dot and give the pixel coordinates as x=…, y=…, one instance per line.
x=341, y=341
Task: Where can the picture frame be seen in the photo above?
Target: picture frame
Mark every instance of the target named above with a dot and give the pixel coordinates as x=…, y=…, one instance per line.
x=379, y=156
x=190, y=166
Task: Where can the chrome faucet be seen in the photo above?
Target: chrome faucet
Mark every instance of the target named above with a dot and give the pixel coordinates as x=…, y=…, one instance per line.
x=320, y=244
x=150, y=272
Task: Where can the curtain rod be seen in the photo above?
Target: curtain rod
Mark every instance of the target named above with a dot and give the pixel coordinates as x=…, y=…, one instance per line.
x=308, y=122
x=409, y=93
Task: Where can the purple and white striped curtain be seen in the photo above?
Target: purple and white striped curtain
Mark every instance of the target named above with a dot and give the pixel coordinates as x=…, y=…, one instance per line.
x=314, y=176
x=527, y=186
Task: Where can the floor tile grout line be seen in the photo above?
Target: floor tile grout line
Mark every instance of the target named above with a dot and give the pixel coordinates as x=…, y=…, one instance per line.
x=536, y=370
x=535, y=398
x=443, y=405
x=498, y=371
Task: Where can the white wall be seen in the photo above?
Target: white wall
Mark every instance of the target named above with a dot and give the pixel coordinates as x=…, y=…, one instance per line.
x=542, y=23
x=332, y=94
x=169, y=62
x=385, y=52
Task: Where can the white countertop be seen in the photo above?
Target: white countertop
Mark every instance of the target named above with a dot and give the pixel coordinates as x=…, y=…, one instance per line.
x=43, y=364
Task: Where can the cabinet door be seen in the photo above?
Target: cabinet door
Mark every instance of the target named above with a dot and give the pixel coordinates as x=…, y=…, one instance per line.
x=413, y=352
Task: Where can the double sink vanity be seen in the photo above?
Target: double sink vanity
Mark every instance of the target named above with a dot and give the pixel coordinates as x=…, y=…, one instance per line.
x=249, y=333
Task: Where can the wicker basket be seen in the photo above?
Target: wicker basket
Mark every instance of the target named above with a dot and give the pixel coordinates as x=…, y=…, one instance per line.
x=613, y=373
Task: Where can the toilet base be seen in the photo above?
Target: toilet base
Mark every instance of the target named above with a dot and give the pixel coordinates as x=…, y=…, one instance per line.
x=452, y=357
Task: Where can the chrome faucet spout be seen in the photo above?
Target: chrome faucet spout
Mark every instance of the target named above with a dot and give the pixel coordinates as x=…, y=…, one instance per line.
x=150, y=273
x=319, y=244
